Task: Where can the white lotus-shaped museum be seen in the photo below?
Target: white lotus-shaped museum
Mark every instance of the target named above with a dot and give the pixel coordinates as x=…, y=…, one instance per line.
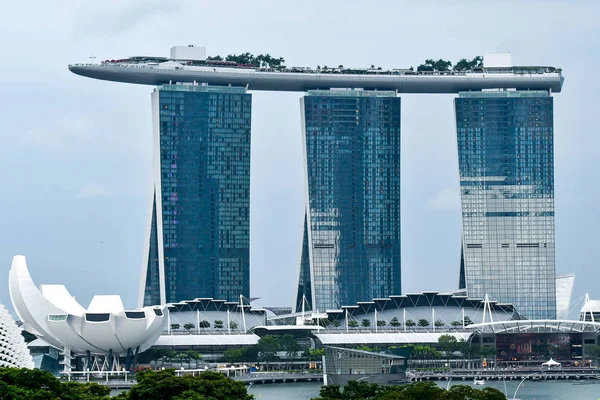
x=105, y=327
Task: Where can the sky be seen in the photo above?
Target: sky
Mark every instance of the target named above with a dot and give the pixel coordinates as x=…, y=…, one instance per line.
x=76, y=152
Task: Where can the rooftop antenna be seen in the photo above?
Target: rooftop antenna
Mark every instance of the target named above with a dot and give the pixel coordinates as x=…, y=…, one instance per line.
x=92, y=58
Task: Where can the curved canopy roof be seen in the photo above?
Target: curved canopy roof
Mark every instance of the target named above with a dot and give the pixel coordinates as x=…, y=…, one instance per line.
x=386, y=338
x=425, y=299
x=536, y=326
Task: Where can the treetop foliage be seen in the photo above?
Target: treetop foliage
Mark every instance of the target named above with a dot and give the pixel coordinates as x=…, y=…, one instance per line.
x=261, y=60
x=165, y=385
x=414, y=391
x=35, y=384
x=443, y=65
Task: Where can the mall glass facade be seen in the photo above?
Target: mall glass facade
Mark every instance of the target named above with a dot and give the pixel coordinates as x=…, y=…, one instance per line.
x=198, y=236
x=540, y=347
x=506, y=163
x=351, y=241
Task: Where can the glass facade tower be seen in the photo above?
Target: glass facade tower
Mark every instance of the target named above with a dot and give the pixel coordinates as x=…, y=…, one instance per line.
x=506, y=163
x=198, y=225
x=351, y=240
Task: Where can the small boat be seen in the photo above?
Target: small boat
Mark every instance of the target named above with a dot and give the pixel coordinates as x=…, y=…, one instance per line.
x=478, y=382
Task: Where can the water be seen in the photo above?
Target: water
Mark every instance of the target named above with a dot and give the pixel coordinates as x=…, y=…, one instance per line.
x=549, y=390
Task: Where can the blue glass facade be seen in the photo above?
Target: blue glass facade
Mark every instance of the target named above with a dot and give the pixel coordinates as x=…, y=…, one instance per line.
x=506, y=163
x=199, y=224
x=351, y=243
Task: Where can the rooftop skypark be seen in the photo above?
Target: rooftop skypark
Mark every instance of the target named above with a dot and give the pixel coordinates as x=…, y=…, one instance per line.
x=265, y=72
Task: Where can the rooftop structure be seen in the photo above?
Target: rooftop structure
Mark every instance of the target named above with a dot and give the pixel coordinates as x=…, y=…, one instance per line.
x=188, y=65
x=530, y=342
x=590, y=310
x=342, y=365
x=104, y=329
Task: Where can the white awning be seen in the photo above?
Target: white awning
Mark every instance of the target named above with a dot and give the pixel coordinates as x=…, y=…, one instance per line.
x=551, y=363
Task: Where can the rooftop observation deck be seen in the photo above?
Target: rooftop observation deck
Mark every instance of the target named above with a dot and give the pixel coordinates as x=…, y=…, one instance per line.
x=158, y=71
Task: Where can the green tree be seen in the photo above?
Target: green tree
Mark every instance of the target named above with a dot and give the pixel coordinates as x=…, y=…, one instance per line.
x=174, y=327
x=314, y=354
x=290, y=345
x=218, y=324
x=233, y=355
x=423, y=323
x=592, y=353
x=488, y=352
x=193, y=355
x=468, y=349
x=433, y=65
x=352, y=323
x=395, y=323
x=204, y=324
x=410, y=323
x=448, y=344
x=456, y=324
x=413, y=391
x=233, y=325
x=381, y=323
x=467, y=321
x=162, y=385
x=336, y=323
x=188, y=327
x=439, y=323
x=17, y=384
x=365, y=323
x=268, y=346
x=251, y=353
x=465, y=65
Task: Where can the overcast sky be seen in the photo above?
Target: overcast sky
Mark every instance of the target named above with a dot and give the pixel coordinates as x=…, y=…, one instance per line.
x=76, y=152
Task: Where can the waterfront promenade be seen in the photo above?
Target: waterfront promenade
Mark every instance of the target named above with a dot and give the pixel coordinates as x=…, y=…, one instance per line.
x=252, y=378
x=508, y=374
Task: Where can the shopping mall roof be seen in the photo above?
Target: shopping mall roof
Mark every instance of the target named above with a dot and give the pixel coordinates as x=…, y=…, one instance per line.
x=536, y=326
x=386, y=338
